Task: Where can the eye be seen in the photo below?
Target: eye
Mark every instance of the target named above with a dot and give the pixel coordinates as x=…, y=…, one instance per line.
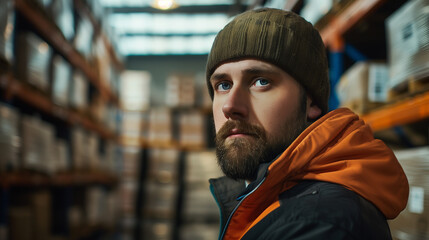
x=261, y=82
x=223, y=86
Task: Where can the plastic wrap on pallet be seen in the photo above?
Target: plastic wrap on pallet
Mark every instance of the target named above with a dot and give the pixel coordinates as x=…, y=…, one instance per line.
x=7, y=15
x=37, y=145
x=9, y=138
x=32, y=60
x=408, y=42
x=413, y=222
x=79, y=91
x=61, y=77
x=62, y=14
x=84, y=36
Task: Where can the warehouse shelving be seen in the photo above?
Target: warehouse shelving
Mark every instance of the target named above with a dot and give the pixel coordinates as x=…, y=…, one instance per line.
x=29, y=179
x=410, y=110
x=54, y=37
x=39, y=101
x=70, y=186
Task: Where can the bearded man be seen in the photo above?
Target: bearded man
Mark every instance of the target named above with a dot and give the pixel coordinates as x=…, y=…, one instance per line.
x=293, y=169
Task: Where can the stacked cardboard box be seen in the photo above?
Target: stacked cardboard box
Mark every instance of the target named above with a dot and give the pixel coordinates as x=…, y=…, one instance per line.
x=192, y=129
x=132, y=125
x=61, y=12
x=200, y=212
x=408, y=43
x=364, y=86
x=83, y=39
x=37, y=145
x=180, y=91
x=33, y=60
x=6, y=30
x=9, y=138
x=79, y=92
x=161, y=191
x=413, y=222
x=61, y=77
x=160, y=126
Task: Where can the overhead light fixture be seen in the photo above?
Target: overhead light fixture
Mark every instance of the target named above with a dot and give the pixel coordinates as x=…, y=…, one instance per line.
x=164, y=4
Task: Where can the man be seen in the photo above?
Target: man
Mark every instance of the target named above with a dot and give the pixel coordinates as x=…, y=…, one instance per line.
x=293, y=170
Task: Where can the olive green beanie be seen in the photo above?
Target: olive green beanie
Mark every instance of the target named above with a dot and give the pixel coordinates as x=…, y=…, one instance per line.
x=281, y=38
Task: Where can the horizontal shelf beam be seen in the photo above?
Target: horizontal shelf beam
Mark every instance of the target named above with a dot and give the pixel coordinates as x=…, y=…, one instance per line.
x=28, y=179
x=207, y=9
x=53, y=35
x=35, y=99
x=404, y=112
x=348, y=18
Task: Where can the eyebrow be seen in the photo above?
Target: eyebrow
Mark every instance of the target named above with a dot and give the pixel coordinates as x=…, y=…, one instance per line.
x=249, y=71
x=257, y=71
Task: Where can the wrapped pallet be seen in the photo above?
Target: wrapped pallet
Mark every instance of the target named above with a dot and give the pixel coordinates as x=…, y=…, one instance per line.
x=408, y=43
x=9, y=138
x=364, y=86
x=413, y=222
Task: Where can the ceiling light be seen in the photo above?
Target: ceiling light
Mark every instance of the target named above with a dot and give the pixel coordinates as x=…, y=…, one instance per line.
x=164, y=4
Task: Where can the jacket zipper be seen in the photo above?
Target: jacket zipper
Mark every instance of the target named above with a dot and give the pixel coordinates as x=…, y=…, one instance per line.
x=236, y=207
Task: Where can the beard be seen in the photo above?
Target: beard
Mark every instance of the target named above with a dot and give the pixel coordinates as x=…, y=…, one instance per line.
x=239, y=157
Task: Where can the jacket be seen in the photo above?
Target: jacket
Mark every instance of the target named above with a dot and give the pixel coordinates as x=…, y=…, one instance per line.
x=335, y=181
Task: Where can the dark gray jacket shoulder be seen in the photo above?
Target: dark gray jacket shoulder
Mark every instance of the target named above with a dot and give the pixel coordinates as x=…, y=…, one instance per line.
x=321, y=210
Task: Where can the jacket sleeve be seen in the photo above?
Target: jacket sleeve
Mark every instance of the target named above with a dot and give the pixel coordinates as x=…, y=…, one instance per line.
x=303, y=230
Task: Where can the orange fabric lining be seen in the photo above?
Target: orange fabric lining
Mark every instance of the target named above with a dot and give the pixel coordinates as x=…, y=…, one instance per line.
x=267, y=211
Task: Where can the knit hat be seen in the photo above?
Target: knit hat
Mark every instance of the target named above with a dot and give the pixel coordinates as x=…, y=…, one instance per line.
x=278, y=37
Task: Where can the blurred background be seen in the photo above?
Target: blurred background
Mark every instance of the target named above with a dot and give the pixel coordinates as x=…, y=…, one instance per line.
x=105, y=120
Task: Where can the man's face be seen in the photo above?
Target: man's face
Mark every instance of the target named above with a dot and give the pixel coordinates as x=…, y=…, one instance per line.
x=258, y=111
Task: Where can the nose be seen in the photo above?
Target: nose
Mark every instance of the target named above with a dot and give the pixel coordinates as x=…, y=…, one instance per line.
x=235, y=106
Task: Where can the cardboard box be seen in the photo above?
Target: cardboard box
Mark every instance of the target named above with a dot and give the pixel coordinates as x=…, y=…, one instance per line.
x=364, y=86
x=160, y=129
x=201, y=166
x=157, y=229
x=408, y=42
x=180, y=90
x=10, y=140
x=161, y=200
x=199, y=231
x=62, y=14
x=163, y=165
x=83, y=39
x=79, y=149
x=7, y=17
x=37, y=145
x=192, y=129
x=79, y=91
x=413, y=222
x=61, y=77
x=32, y=60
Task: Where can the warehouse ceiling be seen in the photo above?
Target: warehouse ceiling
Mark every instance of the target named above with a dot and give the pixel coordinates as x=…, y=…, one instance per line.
x=188, y=28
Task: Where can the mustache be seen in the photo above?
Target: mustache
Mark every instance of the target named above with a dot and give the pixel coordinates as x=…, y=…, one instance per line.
x=241, y=127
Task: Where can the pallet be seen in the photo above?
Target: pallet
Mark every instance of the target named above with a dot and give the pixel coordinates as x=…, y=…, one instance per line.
x=408, y=88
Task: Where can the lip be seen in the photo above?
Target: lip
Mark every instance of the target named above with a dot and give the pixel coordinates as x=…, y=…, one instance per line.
x=237, y=133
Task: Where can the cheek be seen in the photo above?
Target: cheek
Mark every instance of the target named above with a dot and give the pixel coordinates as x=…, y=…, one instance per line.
x=218, y=116
x=274, y=114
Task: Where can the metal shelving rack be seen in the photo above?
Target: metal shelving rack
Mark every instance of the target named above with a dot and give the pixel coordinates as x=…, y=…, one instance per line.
x=406, y=111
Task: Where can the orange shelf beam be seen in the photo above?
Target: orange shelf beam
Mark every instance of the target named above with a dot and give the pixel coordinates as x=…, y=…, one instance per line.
x=405, y=112
x=348, y=18
x=52, y=34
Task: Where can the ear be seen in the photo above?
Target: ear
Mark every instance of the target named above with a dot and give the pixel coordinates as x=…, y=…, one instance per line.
x=313, y=111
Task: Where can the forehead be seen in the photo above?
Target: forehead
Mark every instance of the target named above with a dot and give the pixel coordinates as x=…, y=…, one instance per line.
x=246, y=64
